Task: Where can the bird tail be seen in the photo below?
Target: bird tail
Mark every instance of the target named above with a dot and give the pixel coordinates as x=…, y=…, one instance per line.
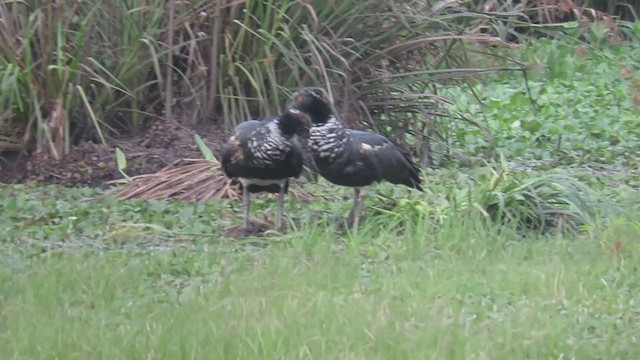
x=416, y=181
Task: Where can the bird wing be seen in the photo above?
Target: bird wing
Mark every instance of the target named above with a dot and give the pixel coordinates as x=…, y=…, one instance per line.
x=369, y=138
x=383, y=157
x=246, y=127
x=233, y=150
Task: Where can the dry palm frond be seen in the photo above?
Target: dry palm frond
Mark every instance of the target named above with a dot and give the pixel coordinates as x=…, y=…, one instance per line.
x=187, y=180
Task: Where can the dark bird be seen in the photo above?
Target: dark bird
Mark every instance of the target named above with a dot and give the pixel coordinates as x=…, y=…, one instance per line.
x=350, y=157
x=263, y=156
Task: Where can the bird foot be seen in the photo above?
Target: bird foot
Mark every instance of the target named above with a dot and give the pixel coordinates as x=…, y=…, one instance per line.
x=238, y=231
x=349, y=221
x=352, y=221
x=279, y=225
x=350, y=218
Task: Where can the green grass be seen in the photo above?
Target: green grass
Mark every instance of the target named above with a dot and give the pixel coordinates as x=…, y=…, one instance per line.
x=458, y=289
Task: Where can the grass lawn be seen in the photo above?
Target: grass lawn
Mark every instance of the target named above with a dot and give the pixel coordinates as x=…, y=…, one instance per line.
x=460, y=290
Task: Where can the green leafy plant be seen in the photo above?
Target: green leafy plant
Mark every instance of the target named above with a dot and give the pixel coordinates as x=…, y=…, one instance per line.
x=121, y=162
x=544, y=122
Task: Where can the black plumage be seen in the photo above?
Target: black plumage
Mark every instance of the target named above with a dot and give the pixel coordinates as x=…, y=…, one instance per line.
x=350, y=157
x=263, y=156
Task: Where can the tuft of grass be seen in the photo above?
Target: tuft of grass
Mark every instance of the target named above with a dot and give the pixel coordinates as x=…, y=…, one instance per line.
x=548, y=201
x=540, y=202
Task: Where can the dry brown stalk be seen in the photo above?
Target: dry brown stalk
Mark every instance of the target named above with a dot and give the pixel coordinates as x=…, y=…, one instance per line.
x=187, y=180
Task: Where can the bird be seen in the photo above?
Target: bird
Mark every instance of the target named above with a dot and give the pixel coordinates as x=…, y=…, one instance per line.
x=349, y=157
x=263, y=155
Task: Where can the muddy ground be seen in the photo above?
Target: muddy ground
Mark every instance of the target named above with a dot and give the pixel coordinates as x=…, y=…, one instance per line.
x=93, y=164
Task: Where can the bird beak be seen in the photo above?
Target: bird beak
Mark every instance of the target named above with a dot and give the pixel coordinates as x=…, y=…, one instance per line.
x=297, y=99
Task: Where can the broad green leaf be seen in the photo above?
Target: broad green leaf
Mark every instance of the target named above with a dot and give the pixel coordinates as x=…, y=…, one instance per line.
x=121, y=159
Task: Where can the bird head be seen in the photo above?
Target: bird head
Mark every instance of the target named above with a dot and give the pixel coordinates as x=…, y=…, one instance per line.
x=312, y=104
x=293, y=122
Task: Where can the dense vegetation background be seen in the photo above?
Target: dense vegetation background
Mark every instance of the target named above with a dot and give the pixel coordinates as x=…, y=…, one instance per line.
x=92, y=71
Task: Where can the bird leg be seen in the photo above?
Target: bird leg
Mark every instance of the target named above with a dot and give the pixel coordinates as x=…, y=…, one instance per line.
x=358, y=213
x=280, y=220
x=352, y=219
x=246, y=203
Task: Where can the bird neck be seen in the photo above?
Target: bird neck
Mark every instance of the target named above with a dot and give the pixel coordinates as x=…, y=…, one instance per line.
x=320, y=113
x=267, y=144
x=328, y=140
x=269, y=135
x=332, y=124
